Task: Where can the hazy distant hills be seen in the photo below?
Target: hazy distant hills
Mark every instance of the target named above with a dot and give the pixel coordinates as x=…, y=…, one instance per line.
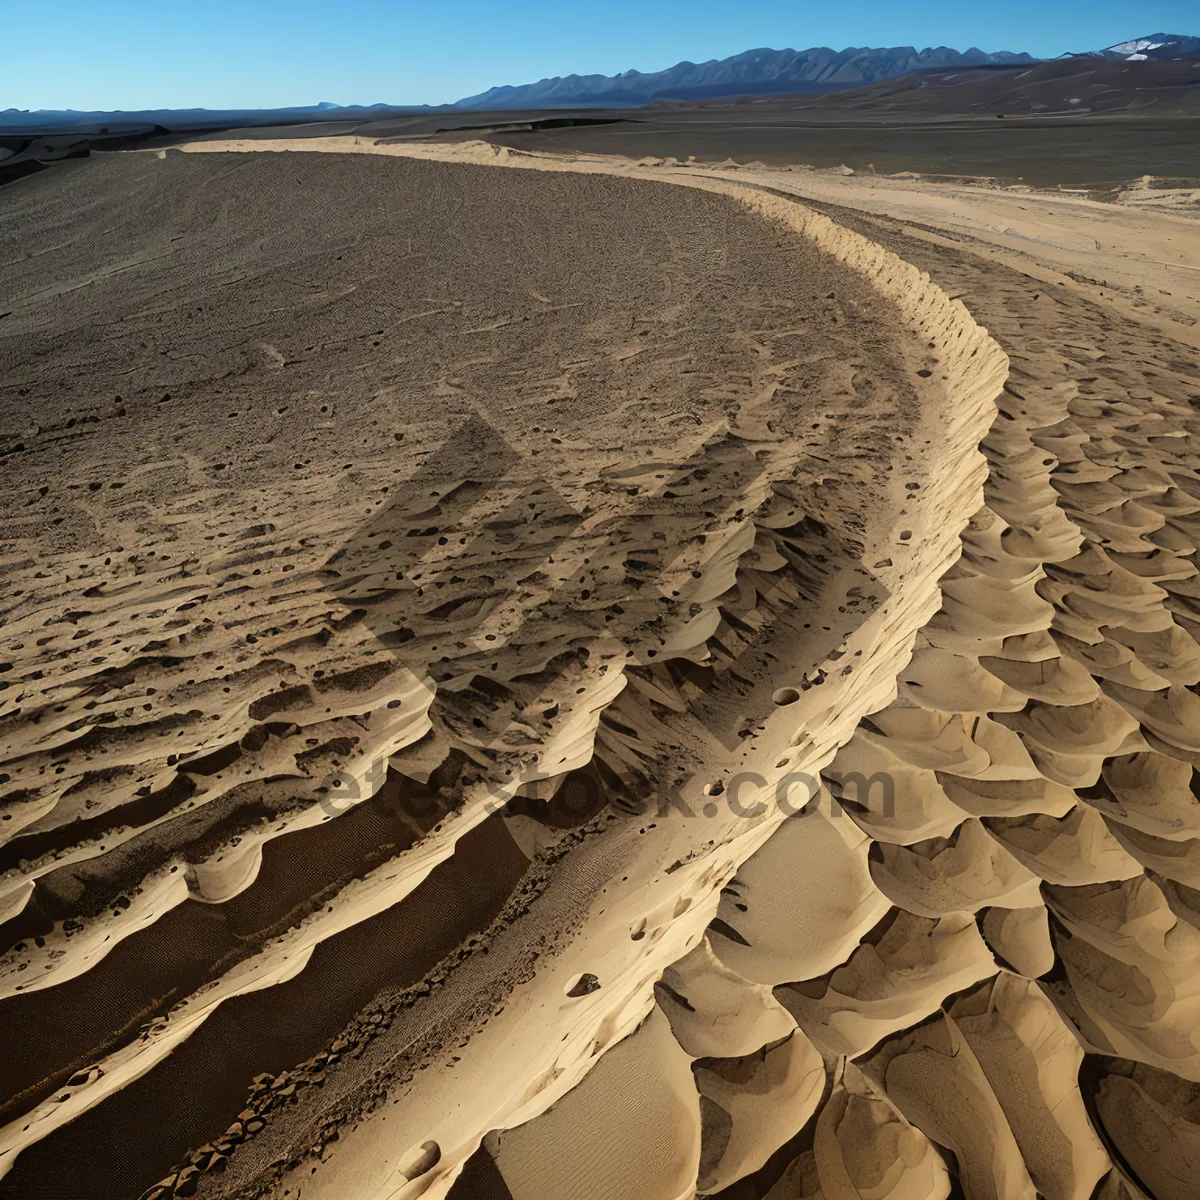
x=132, y=122
x=752, y=72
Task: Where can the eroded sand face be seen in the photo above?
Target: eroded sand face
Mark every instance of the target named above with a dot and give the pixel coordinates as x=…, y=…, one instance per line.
x=666, y=995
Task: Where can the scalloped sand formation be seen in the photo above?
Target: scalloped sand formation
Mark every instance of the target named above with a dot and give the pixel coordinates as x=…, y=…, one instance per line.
x=733, y=735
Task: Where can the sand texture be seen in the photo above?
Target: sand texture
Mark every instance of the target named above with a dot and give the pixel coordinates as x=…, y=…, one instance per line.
x=542, y=677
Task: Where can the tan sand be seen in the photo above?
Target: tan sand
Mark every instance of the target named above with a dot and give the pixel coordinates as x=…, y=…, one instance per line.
x=983, y=968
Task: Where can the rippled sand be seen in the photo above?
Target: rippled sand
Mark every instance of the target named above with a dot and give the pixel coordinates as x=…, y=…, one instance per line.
x=452, y=614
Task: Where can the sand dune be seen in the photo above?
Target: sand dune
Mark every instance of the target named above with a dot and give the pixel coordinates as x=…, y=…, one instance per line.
x=767, y=775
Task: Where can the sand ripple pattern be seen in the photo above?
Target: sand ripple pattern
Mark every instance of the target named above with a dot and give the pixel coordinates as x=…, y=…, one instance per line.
x=967, y=962
x=815, y=615
x=211, y=722
x=972, y=961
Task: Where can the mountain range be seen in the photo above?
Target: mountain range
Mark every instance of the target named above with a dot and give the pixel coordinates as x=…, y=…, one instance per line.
x=765, y=71
x=819, y=69
x=759, y=72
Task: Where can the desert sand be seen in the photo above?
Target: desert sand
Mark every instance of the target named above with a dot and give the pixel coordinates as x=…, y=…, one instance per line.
x=456, y=602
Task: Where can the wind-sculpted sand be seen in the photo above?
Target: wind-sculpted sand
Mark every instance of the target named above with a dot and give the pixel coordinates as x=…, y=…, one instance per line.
x=539, y=678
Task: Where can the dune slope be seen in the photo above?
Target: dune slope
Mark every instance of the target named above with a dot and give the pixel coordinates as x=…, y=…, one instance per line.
x=727, y=725
x=430, y=632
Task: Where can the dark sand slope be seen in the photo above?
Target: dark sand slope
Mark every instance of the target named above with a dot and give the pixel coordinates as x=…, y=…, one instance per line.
x=1079, y=85
x=318, y=465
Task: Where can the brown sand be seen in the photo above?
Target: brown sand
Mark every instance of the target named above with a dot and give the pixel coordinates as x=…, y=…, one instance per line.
x=197, y=838
x=984, y=979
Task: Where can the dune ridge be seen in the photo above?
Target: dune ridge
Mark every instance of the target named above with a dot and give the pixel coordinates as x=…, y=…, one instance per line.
x=962, y=956
x=974, y=383
x=1006, y=842
x=940, y=321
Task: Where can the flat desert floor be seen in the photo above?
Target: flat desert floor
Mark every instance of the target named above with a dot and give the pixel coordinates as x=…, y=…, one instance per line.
x=1097, y=151
x=565, y=676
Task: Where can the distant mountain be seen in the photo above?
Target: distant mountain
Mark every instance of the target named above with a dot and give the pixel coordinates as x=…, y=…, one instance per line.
x=753, y=72
x=1155, y=46
x=23, y=122
x=760, y=72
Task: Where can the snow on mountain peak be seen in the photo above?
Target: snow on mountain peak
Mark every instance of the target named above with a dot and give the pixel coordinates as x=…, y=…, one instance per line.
x=1135, y=46
x=1154, y=45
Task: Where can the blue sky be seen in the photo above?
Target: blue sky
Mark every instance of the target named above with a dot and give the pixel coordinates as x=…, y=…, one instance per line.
x=128, y=54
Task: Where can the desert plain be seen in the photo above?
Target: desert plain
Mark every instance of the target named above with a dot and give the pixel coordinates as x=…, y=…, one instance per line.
x=564, y=675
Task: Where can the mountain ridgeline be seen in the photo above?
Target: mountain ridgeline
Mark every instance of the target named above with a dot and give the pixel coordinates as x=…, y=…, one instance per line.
x=815, y=72
x=761, y=71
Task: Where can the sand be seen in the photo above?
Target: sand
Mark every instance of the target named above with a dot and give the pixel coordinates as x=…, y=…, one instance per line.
x=723, y=501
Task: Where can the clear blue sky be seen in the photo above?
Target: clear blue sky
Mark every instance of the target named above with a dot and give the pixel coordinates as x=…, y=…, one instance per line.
x=129, y=54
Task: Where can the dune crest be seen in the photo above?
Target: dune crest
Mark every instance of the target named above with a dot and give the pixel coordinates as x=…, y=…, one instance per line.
x=848, y=852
